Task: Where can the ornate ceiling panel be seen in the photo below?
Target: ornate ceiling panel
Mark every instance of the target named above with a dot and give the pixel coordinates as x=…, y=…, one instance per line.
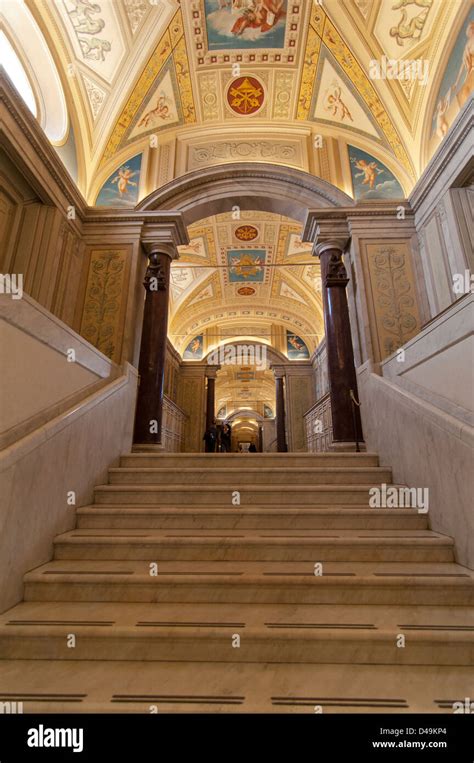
x=189, y=80
x=246, y=277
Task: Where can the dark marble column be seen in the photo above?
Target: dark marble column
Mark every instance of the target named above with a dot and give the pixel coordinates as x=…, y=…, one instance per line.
x=280, y=412
x=346, y=422
x=148, y=417
x=211, y=374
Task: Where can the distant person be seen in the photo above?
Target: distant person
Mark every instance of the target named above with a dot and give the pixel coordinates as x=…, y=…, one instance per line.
x=252, y=448
x=226, y=438
x=210, y=438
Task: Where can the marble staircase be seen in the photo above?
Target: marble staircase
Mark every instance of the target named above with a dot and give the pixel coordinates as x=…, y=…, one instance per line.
x=182, y=598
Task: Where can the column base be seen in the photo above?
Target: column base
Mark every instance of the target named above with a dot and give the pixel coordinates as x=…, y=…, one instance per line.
x=347, y=447
x=148, y=448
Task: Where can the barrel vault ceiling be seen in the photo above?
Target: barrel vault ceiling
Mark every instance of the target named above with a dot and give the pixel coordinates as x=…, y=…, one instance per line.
x=252, y=278
x=180, y=86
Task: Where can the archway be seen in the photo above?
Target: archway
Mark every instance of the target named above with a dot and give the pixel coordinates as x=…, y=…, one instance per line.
x=281, y=190
x=242, y=390
x=245, y=185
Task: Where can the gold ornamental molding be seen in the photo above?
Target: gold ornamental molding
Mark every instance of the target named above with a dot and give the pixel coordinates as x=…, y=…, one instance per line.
x=322, y=30
x=171, y=43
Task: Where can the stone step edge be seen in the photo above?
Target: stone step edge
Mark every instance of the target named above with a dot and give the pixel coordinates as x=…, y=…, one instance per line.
x=291, y=454
x=257, y=633
x=243, y=489
x=66, y=539
x=141, y=509
x=249, y=470
x=274, y=581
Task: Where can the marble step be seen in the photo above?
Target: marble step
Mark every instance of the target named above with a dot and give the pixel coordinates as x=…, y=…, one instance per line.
x=250, y=495
x=247, y=545
x=245, y=475
x=407, y=583
x=268, y=633
x=53, y=686
x=230, y=517
x=244, y=460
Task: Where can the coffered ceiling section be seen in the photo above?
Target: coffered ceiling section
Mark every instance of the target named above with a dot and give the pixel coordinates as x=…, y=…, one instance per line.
x=250, y=277
x=196, y=83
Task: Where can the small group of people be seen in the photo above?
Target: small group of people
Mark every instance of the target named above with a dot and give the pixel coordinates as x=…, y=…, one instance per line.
x=218, y=439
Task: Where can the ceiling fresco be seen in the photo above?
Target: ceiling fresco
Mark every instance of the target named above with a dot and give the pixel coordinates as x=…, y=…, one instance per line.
x=177, y=82
x=357, y=92
x=261, y=289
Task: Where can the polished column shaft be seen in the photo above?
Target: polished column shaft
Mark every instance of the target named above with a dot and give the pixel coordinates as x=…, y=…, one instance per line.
x=346, y=421
x=148, y=418
x=280, y=415
x=211, y=401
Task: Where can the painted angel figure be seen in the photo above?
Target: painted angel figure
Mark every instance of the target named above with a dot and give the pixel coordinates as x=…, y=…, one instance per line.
x=335, y=103
x=124, y=179
x=195, y=346
x=369, y=172
x=466, y=70
x=161, y=111
x=258, y=14
x=294, y=343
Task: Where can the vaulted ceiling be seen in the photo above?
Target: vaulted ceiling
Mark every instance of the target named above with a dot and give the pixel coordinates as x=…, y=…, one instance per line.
x=176, y=81
x=251, y=278
x=158, y=88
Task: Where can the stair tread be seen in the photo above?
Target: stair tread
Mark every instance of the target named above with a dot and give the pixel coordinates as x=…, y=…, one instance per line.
x=250, y=469
x=236, y=510
x=288, y=455
x=244, y=488
x=129, y=614
x=257, y=687
x=277, y=537
x=133, y=570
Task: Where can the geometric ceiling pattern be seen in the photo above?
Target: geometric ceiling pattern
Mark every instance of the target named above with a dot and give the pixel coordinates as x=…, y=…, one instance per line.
x=247, y=277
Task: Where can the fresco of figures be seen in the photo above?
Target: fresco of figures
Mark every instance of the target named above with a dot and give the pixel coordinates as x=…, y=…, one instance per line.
x=371, y=179
x=296, y=348
x=236, y=24
x=122, y=187
x=194, y=349
x=457, y=83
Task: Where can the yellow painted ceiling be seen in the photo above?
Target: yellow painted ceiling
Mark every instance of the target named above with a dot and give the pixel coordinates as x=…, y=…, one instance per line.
x=210, y=296
x=154, y=77
x=190, y=85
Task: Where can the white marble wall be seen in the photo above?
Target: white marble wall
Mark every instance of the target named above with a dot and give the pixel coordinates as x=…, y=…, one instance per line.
x=416, y=417
x=444, y=213
x=69, y=453
x=438, y=363
x=38, y=381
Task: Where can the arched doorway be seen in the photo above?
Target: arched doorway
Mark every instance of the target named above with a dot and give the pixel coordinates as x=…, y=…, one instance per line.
x=244, y=393
x=245, y=186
